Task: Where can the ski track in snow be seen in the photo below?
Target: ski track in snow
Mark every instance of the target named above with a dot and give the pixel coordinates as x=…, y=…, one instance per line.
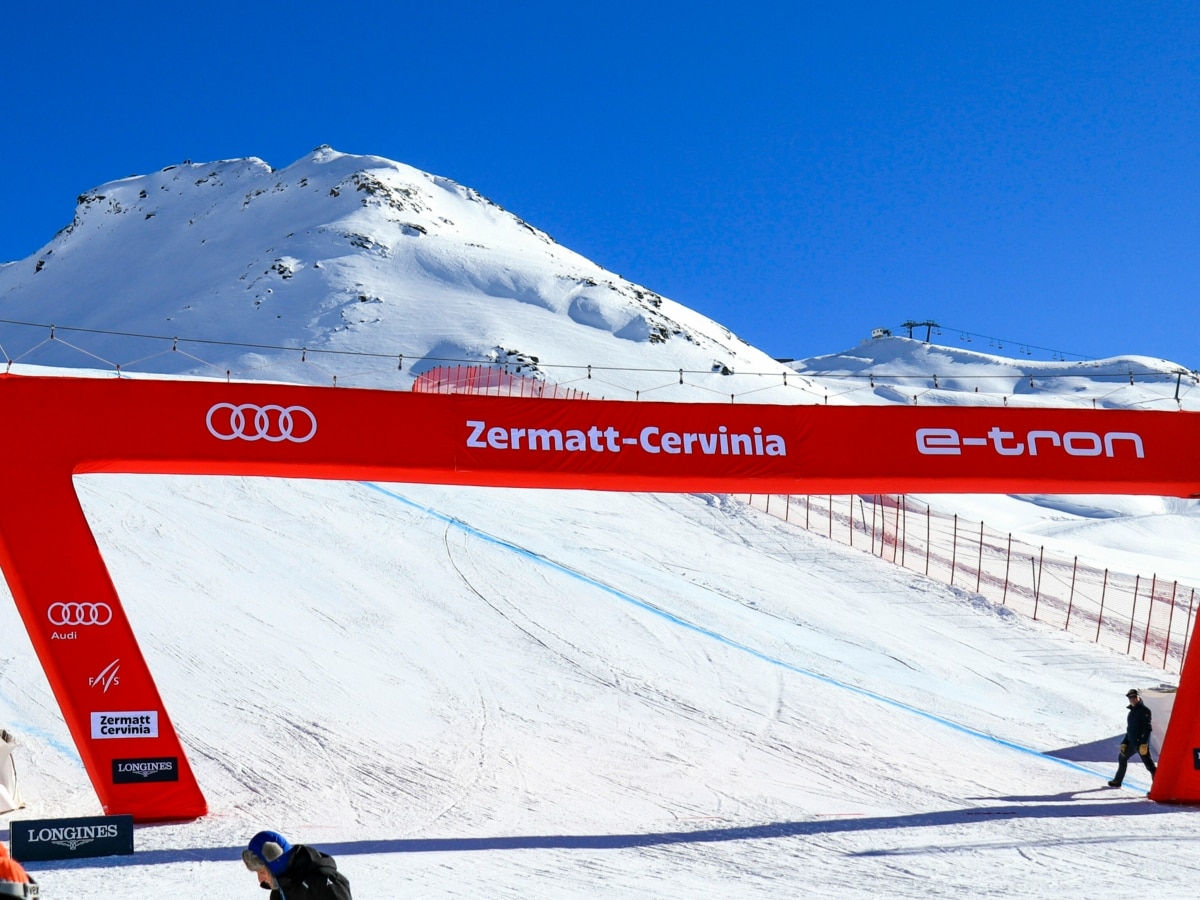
x=689, y=626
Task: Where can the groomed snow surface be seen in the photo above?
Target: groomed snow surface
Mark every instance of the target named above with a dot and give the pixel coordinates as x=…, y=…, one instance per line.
x=484, y=693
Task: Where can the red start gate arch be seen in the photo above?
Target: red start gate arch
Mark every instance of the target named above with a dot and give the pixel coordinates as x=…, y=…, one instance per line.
x=59, y=427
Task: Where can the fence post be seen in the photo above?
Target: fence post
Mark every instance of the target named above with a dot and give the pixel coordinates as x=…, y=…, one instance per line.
x=928, y=535
x=904, y=528
x=1071, y=598
x=1149, y=615
x=874, y=510
x=1103, y=591
x=768, y=509
x=1037, y=583
x=1187, y=626
x=1170, y=621
x=787, y=506
x=979, y=571
x=852, y=520
x=882, y=526
x=1137, y=581
x=953, y=549
x=1007, y=566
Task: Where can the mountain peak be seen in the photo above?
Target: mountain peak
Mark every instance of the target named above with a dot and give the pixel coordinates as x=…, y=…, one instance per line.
x=349, y=253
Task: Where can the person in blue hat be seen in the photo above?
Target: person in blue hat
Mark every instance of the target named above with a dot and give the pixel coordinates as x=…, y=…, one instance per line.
x=294, y=871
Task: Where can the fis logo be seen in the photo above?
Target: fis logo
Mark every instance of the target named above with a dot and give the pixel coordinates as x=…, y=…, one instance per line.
x=107, y=677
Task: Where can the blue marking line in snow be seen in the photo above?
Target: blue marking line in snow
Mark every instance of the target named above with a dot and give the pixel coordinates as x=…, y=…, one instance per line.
x=720, y=638
x=22, y=729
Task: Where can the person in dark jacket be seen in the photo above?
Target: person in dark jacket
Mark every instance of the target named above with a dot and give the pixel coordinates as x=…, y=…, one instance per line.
x=1137, y=738
x=294, y=871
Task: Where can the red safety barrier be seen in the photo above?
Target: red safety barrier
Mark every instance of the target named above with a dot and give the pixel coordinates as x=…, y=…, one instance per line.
x=491, y=381
x=1140, y=615
x=58, y=427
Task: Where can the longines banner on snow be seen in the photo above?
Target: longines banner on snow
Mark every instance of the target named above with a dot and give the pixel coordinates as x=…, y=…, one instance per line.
x=56, y=428
x=38, y=840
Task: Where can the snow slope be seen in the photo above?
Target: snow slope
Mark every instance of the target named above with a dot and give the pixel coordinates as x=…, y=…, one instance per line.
x=549, y=694
x=468, y=692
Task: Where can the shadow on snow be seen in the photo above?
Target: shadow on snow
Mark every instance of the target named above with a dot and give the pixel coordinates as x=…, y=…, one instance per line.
x=1104, y=750
x=1056, y=806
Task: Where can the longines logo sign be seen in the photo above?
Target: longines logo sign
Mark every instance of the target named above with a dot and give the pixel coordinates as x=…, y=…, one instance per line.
x=36, y=840
x=138, y=771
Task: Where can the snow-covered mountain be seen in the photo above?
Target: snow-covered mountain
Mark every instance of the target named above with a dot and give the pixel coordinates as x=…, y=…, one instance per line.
x=374, y=272
x=482, y=693
x=340, y=253
x=889, y=369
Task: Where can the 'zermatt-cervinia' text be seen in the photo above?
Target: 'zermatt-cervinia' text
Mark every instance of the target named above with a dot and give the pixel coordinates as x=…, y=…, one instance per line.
x=651, y=439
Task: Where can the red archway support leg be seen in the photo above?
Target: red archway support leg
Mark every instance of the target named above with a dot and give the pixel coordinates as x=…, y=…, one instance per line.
x=1178, y=777
x=103, y=686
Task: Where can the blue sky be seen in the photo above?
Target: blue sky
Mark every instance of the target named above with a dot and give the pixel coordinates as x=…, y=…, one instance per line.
x=800, y=172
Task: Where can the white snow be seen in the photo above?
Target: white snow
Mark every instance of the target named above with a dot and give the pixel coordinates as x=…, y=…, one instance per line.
x=467, y=692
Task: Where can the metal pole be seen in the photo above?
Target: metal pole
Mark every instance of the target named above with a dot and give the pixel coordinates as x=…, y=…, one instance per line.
x=1170, y=621
x=896, y=543
x=1071, y=598
x=1007, y=566
x=1187, y=627
x=979, y=571
x=1137, y=581
x=1103, y=591
x=1037, y=583
x=1150, y=615
x=1041, y=561
x=903, y=529
x=852, y=520
x=787, y=506
x=883, y=527
x=953, y=549
x=928, y=537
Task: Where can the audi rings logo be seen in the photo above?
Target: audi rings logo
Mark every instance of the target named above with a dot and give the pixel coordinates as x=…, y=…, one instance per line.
x=261, y=423
x=79, y=614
